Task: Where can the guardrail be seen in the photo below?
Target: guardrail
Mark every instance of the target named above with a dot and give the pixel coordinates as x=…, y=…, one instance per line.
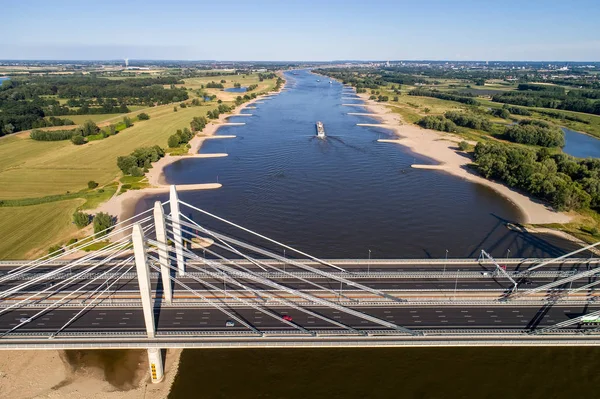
x=449, y=261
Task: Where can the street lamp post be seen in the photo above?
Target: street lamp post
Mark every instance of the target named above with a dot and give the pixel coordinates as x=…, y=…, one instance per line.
x=369, y=263
x=445, y=262
x=456, y=284
x=507, y=253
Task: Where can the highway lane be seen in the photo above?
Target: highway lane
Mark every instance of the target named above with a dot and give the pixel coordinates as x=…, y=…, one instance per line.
x=498, y=283
x=209, y=319
x=377, y=265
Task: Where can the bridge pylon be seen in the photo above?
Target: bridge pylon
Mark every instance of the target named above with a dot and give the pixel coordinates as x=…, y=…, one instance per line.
x=177, y=237
x=143, y=274
x=163, y=250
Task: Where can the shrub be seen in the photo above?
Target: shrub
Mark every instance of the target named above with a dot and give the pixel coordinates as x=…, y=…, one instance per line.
x=143, y=116
x=89, y=128
x=55, y=248
x=92, y=184
x=126, y=163
x=81, y=219
x=173, y=141
x=72, y=241
x=463, y=145
x=56, y=135
x=136, y=171
x=78, y=140
x=103, y=221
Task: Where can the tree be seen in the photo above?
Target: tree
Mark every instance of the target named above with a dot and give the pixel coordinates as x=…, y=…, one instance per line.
x=126, y=163
x=81, y=219
x=92, y=184
x=8, y=128
x=463, y=145
x=173, y=141
x=136, y=171
x=89, y=128
x=143, y=116
x=127, y=121
x=103, y=223
x=175, y=108
x=78, y=140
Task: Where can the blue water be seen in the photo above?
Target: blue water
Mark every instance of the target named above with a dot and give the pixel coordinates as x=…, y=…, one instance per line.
x=236, y=89
x=344, y=195
x=3, y=78
x=581, y=145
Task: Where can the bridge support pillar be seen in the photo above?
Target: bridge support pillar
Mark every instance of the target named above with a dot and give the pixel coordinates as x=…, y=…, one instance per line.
x=177, y=237
x=163, y=251
x=143, y=275
x=155, y=362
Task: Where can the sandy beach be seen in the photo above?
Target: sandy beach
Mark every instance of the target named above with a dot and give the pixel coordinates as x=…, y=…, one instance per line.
x=442, y=147
x=56, y=378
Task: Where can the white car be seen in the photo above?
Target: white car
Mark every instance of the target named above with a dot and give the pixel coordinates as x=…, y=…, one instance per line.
x=24, y=320
x=229, y=324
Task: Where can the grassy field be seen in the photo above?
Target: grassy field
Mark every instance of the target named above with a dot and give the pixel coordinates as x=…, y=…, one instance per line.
x=79, y=119
x=43, y=225
x=31, y=170
x=244, y=80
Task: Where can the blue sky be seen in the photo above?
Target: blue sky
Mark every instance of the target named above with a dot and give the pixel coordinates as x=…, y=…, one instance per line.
x=301, y=30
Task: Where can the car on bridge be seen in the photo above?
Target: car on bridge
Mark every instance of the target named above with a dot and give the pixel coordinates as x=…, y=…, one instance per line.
x=229, y=323
x=287, y=318
x=24, y=320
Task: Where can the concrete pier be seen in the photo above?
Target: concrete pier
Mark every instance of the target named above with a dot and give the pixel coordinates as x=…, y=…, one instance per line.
x=155, y=363
x=431, y=167
x=225, y=136
x=233, y=124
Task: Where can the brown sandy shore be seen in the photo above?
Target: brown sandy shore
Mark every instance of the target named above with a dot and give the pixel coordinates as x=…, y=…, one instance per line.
x=49, y=374
x=442, y=147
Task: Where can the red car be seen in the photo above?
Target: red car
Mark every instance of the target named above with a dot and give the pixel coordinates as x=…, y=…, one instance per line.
x=287, y=318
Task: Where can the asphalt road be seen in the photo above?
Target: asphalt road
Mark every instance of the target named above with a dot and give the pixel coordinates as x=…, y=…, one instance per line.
x=197, y=319
x=498, y=283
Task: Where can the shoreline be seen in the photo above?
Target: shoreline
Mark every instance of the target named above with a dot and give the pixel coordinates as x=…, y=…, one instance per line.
x=440, y=147
x=123, y=206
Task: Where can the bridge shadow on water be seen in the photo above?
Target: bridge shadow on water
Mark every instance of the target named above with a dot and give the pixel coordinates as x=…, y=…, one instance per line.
x=517, y=242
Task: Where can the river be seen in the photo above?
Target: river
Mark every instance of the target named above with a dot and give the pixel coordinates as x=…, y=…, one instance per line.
x=348, y=194
x=339, y=198
x=581, y=145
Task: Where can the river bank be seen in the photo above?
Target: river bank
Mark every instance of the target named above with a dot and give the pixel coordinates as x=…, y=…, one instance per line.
x=123, y=206
x=442, y=147
x=83, y=374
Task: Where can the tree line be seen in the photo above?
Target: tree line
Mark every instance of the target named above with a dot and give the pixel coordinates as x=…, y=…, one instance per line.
x=564, y=181
x=25, y=103
x=423, y=92
x=140, y=160
x=547, y=96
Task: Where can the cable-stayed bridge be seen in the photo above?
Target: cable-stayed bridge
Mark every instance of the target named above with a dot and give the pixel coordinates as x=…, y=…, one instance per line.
x=162, y=280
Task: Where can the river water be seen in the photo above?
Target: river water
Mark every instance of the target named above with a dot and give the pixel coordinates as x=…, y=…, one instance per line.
x=339, y=198
x=581, y=145
x=348, y=194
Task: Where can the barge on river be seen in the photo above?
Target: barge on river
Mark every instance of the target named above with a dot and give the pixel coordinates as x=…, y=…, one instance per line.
x=320, y=130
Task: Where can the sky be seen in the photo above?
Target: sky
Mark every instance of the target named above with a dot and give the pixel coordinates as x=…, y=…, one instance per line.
x=309, y=30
